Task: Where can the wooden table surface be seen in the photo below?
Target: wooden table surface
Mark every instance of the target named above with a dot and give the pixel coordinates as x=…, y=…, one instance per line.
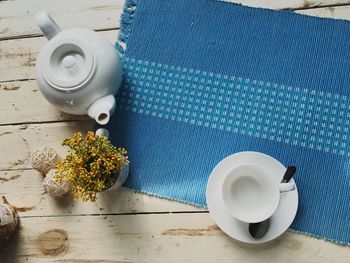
x=121, y=226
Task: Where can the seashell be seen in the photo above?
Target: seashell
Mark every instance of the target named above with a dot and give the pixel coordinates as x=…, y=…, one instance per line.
x=44, y=159
x=8, y=220
x=52, y=187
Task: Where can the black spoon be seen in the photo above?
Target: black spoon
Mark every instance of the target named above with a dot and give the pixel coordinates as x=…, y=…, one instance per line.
x=258, y=230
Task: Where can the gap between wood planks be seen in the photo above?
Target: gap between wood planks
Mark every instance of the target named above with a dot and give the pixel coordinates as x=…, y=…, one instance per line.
x=308, y=7
x=17, y=80
x=81, y=119
x=123, y=214
x=35, y=35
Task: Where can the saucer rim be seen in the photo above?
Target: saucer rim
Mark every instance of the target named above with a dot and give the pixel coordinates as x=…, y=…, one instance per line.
x=293, y=197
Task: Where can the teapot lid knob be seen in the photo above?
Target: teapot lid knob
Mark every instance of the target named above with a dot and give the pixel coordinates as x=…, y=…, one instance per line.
x=69, y=62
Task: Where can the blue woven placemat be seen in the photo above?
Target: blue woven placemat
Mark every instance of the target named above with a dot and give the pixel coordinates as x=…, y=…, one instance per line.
x=205, y=79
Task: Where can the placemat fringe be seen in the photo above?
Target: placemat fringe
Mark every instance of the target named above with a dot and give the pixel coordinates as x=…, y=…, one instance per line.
x=126, y=21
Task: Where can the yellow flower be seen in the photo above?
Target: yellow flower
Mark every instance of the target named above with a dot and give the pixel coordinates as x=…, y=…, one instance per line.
x=92, y=165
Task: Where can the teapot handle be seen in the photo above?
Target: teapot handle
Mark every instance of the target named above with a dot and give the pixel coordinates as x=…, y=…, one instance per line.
x=47, y=24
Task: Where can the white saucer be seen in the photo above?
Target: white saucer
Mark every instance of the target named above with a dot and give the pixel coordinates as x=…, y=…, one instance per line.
x=279, y=221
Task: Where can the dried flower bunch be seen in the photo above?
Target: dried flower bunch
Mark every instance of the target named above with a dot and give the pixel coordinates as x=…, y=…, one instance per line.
x=91, y=166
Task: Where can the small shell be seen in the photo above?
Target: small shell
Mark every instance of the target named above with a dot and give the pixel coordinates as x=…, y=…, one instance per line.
x=8, y=221
x=52, y=187
x=44, y=159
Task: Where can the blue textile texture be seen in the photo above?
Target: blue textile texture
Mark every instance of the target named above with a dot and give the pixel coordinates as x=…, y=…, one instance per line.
x=206, y=79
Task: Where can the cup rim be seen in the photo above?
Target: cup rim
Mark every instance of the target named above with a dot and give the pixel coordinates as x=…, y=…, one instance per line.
x=248, y=218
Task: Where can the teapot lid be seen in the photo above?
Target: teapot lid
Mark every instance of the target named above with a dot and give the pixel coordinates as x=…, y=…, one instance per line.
x=67, y=64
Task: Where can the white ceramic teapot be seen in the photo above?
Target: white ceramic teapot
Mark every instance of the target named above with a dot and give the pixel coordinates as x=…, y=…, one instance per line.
x=78, y=70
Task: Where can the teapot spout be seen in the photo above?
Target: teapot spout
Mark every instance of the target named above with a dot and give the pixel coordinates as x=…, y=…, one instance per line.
x=102, y=109
x=47, y=24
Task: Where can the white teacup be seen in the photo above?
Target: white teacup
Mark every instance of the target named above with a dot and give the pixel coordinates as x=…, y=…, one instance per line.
x=251, y=195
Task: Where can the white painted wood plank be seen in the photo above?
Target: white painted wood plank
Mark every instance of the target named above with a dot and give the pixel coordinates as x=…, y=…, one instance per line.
x=290, y=4
x=22, y=102
x=23, y=189
x=17, y=16
x=341, y=12
x=23, y=140
x=18, y=56
x=154, y=238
